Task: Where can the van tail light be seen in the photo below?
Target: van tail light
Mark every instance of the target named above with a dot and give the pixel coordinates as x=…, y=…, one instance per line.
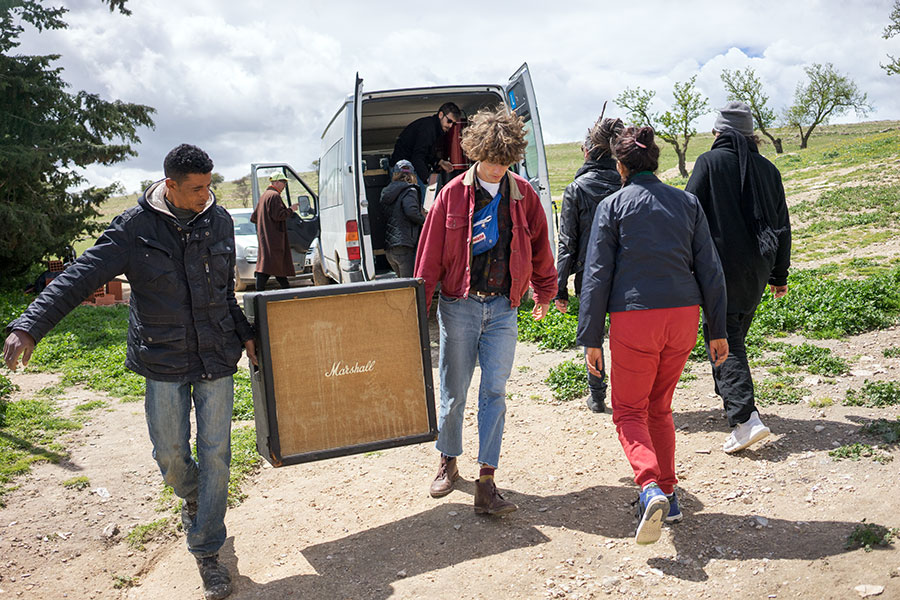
x=353, y=240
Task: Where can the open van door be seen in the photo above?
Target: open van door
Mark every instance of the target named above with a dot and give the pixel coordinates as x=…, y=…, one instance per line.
x=364, y=226
x=303, y=226
x=520, y=95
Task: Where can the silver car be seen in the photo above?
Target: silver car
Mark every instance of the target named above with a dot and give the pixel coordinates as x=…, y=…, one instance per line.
x=246, y=246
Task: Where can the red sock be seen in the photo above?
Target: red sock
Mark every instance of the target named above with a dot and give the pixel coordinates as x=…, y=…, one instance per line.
x=486, y=473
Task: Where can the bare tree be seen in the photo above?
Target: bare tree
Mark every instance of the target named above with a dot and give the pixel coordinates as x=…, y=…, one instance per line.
x=745, y=86
x=674, y=126
x=827, y=94
x=893, y=67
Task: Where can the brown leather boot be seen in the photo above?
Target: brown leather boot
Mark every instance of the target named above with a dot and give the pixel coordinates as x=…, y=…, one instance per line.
x=488, y=500
x=446, y=475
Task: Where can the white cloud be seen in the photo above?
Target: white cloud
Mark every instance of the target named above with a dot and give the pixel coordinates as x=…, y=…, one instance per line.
x=254, y=80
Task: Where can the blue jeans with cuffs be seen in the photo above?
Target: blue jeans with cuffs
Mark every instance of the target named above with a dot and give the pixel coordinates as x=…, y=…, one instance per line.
x=470, y=328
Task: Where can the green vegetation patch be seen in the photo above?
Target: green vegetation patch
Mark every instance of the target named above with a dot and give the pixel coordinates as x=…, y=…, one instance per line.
x=556, y=331
x=243, y=396
x=815, y=359
x=874, y=394
x=90, y=405
x=892, y=352
x=869, y=536
x=141, y=534
x=848, y=207
x=125, y=581
x=77, y=483
x=857, y=450
x=568, y=380
x=779, y=390
x=29, y=434
x=888, y=431
x=245, y=460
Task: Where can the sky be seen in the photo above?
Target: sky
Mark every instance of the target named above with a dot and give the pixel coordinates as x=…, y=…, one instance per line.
x=257, y=81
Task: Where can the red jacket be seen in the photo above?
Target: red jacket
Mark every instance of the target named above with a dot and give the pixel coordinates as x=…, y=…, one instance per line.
x=445, y=247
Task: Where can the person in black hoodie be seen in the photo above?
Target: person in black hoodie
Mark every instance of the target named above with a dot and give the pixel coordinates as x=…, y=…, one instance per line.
x=404, y=219
x=418, y=143
x=596, y=179
x=743, y=198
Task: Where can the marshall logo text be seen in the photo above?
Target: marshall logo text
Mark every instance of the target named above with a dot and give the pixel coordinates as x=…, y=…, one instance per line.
x=338, y=368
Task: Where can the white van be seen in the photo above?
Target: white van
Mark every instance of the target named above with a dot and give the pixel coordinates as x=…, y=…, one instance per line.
x=353, y=166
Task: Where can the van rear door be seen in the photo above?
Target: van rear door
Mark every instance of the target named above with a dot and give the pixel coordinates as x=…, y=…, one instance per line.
x=520, y=96
x=367, y=254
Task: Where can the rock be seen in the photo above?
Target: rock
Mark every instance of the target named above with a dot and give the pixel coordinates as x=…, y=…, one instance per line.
x=102, y=492
x=861, y=373
x=401, y=573
x=819, y=428
x=610, y=582
x=110, y=531
x=867, y=590
x=763, y=522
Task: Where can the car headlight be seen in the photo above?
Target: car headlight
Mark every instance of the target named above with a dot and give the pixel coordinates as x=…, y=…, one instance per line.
x=250, y=254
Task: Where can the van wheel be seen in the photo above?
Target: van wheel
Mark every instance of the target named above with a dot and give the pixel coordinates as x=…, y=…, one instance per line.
x=239, y=285
x=318, y=272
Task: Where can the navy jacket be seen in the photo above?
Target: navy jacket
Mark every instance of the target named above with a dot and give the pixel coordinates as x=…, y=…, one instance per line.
x=404, y=214
x=184, y=323
x=649, y=248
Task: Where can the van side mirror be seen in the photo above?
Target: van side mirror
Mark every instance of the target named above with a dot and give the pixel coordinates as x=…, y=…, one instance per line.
x=304, y=208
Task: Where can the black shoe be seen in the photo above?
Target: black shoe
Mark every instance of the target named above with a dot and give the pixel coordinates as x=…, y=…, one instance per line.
x=596, y=403
x=215, y=576
x=188, y=514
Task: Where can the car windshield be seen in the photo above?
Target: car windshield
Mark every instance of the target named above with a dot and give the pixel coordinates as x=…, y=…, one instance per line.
x=242, y=225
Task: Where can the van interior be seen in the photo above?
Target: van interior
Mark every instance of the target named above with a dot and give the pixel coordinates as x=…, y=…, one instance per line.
x=383, y=119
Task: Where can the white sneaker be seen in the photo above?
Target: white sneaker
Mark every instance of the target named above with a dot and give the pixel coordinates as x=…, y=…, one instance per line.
x=746, y=434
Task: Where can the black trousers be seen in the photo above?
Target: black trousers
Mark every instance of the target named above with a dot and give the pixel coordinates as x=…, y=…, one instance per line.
x=402, y=260
x=732, y=378
x=263, y=278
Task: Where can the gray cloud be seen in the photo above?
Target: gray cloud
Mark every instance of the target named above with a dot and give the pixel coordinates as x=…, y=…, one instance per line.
x=249, y=82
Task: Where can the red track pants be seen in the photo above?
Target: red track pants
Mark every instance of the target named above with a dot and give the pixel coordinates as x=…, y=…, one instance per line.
x=649, y=349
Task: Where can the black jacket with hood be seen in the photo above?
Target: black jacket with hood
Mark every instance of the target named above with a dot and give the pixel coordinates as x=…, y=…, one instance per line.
x=404, y=214
x=594, y=181
x=418, y=144
x=184, y=322
x=716, y=181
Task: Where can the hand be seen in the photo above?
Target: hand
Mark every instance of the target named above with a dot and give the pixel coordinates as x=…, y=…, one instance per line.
x=778, y=290
x=445, y=165
x=295, y=207
x=250, y=347
x=540, y=310
x=594, y=359
x=718, y=350
x=561, y=305
x=18, y=343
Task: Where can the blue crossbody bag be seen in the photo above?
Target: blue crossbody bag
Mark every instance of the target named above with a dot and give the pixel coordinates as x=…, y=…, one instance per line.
x=485, y=227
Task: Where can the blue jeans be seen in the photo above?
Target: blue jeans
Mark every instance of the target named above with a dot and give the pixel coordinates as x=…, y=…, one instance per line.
x=168, y=409
x=483, y=328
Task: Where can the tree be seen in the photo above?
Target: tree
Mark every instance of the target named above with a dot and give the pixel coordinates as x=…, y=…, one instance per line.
x=46, y=135
x=145, y=184
x=827, y=94
x=673, y=126
x=216, y=180
x=242, y=190
x=745, y=86
x=893, y=67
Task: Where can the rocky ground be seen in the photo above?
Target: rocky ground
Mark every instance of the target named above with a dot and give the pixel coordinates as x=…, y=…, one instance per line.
x=771, y=522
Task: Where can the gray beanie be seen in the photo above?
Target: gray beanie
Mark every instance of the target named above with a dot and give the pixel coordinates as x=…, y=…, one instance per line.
x=735, y=115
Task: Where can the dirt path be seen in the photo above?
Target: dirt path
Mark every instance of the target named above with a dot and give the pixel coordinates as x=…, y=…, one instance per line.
x=771, y=523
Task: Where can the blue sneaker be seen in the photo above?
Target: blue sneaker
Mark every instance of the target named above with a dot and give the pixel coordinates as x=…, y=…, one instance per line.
x=674, y=515
x=653, y=506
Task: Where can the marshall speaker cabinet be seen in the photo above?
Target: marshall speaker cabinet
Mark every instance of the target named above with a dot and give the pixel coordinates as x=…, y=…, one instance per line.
x=343, y=369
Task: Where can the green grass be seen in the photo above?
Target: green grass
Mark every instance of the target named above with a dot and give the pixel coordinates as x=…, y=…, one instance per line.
x=874, y=394
x=141, y=534
x=821, y=402
x=29, y=434
x=77, y=483
x=125, y=581
x=815, y=359
x=568, y=380
x=779, y=390
x=892, y=352
x=90, y=405
x=245, y=461
x=869, y=536
x=857, y=450
x=556, y=331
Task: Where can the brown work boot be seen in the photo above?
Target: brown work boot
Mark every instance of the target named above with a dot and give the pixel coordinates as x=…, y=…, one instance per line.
x=446, y=475
x=488, y=500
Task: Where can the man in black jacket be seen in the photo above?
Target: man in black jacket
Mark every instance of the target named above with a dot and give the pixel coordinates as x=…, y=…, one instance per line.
x=418, y=143
x=743, y=197
x=596, y=179
x=186, y=334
